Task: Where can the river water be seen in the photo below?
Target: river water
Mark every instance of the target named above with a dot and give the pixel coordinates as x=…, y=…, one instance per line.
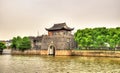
x=58, y=64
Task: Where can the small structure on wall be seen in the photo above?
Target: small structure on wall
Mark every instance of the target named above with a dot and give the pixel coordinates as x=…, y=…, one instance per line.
x=59, y=38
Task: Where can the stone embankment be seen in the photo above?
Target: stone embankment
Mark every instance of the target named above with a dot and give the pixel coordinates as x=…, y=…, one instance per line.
x=96, y=53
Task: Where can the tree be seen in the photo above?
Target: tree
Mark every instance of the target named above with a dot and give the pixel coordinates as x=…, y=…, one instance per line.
x=2, y=46
x=22, y=44
x=98, y=37
x=26, y=44
x=16, y=42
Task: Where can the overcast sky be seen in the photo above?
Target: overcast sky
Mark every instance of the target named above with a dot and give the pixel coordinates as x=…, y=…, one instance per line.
x=27, y=17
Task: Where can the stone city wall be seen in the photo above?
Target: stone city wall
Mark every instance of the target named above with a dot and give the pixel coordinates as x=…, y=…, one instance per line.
x=63, y=52
x=41, y=52
x=95, y=53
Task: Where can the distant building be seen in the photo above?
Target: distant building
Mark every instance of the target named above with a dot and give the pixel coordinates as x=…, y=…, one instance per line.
x=7, y=43
x=59, y=38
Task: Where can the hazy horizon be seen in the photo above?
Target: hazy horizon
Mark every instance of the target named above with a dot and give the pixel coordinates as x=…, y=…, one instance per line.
x=28, y=17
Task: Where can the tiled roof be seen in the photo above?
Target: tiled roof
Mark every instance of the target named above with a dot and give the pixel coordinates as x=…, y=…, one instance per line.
x=59, y=26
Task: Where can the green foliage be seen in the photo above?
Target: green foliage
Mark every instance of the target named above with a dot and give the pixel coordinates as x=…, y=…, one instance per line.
x=22, y=44
x=2, y=46
x=97, y=37
x=25, y=44
x=16, y=41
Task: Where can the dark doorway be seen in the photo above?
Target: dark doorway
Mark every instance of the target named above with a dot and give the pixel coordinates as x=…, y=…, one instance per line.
x=51, y=50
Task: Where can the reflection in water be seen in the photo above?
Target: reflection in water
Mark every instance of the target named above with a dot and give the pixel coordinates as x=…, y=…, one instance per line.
x=58, y=64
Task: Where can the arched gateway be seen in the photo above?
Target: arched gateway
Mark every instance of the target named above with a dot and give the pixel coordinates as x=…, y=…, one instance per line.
x=51, y=50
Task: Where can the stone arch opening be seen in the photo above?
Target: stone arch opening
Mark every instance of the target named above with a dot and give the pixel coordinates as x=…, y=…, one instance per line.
x=51, y=50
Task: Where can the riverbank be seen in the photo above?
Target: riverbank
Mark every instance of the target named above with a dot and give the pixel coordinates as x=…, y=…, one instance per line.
x=95, y=53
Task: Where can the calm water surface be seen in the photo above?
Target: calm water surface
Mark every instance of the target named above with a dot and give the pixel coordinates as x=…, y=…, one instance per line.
x=58, y=64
